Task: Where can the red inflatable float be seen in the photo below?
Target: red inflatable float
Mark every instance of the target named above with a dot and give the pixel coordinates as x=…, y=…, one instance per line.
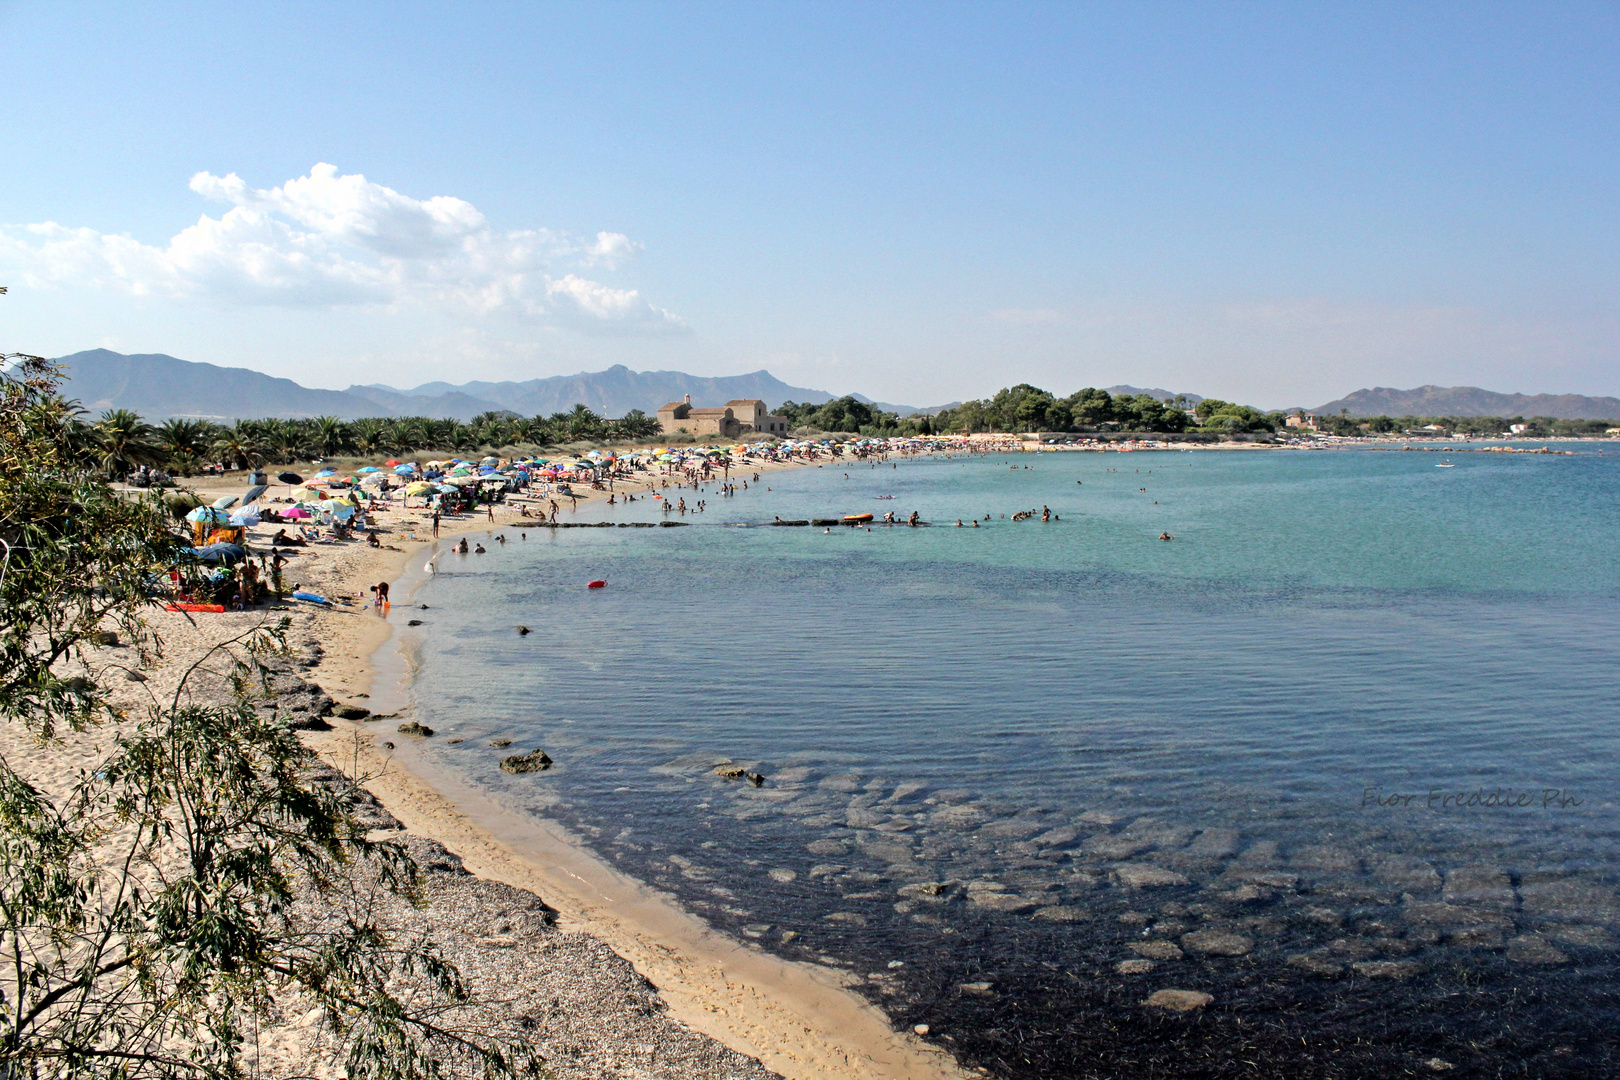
x=597, y=585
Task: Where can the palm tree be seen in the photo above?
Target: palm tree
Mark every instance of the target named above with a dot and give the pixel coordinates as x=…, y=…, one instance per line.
x=124, y=440
x=636, y=424
x=286, y=439
x=329, y=436
x=368, y=435
x=183, y=442
x=241, y=445
x=582, y=423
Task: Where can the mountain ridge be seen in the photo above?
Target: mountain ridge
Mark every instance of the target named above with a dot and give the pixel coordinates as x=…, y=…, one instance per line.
x=160, y=387
x=1434, y=400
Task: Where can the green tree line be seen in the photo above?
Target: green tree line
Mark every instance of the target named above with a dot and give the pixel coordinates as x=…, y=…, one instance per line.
x=121, y=439
x=1537, y=427
x=1024, y=408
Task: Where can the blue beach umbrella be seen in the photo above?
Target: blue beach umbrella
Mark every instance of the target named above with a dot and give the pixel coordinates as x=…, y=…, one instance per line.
x=220, y=553
x=209, y=515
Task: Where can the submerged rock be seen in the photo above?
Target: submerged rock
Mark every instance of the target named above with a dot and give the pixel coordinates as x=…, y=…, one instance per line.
x=1178, y=1000
x=1535, y=949
x=1320, y=966
x=413, y=728
x=1062, y=913
x=534, y=761
x=1386, y=969
x=1156, y=950
x=1145, y=876
x=1479, y=886
x=1134, y=967
x=1216, y=943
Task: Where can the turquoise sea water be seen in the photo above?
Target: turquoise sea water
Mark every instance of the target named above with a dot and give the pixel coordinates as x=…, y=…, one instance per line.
x=1026, y=716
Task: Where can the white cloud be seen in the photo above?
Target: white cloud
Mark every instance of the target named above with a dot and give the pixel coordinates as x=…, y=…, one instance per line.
x=328, y=239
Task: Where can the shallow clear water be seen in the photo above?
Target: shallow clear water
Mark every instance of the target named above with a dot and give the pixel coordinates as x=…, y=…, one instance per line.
x=1030, y=714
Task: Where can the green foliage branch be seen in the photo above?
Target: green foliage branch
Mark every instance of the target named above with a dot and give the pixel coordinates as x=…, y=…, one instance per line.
x=159, y=904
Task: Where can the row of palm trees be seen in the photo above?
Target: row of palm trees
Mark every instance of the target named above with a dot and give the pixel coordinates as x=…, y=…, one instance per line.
x=121, y=440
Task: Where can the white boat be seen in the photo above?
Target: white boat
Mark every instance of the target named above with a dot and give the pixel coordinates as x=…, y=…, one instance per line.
x=1445, y=465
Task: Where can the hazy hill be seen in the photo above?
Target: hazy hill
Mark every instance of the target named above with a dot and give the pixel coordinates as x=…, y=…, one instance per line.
x=1125, y=390
x=614, y=392
x=159, y=387
x=1470, y=401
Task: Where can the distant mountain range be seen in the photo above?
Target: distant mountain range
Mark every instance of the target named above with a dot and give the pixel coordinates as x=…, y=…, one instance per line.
x=160, y=387
x=1124, y=390
x=1470, y=401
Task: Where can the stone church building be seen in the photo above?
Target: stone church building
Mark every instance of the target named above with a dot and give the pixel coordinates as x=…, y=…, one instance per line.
x=745, y=416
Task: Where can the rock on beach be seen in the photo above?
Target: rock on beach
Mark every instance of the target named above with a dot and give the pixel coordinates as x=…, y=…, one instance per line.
x=534, y=761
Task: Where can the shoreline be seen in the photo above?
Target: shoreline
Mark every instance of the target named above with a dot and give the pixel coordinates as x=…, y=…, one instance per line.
x=800, y=1020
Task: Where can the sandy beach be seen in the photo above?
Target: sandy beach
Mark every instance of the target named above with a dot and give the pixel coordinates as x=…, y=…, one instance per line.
x=794, y=1019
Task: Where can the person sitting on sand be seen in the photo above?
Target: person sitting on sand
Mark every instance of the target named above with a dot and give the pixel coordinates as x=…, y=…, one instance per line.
x=282, y=539
x=372, y=541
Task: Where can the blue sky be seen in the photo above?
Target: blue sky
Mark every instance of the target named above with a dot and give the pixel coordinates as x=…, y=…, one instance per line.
x=1277, y=203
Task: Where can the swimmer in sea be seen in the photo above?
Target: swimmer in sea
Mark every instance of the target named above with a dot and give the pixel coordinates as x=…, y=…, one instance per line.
x=1166, y=536
x=479, y=550
x=462, y=547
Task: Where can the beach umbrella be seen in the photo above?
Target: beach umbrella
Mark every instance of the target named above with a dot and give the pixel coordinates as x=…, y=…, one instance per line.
x=327, y=472
x=220, y=553
x=224, y=502
x=296, y=512
x=340, y=509
x=208, y=515
x=392, y=461
x=245, y=518
x=289, y=478
x=446, y=489
x=368, y=468
x=417, y=487
x=254, y=492
x=404, y=470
